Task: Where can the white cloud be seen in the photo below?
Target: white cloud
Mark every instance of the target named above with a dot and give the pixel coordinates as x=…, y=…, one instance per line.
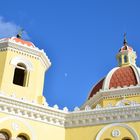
x=9, y=29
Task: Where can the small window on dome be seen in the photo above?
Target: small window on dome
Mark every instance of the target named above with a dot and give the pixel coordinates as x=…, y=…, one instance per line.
x=125, y=59
x=20, y=75
x=120, y=60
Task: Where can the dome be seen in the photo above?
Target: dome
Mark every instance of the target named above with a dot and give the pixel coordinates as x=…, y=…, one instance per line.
x=126, y=48
x=124, y=76
x=19, y=41
x=23, y=42
x=118, y=77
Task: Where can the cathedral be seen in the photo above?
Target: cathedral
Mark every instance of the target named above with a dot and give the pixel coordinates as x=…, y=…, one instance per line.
x=111, y=111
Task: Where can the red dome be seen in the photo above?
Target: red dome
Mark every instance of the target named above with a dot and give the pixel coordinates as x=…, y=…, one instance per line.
x=96, y=88
x=124, y=76
x=19, y=41
x=23, y=42
x=118, y=77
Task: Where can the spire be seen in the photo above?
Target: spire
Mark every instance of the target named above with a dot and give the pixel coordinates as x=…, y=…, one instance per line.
x=125, y=40
x=19, y=35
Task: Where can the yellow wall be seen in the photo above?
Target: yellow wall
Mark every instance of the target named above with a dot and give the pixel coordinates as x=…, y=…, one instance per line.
x=36, y=77
x=90, y=132
x=82, y=133
x=2, y=64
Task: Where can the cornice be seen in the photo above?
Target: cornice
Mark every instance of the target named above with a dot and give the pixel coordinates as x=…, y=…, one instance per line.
x=32, y=111
x=104, y=116
x=113, y=93
x=64, y=118
x=26, y=50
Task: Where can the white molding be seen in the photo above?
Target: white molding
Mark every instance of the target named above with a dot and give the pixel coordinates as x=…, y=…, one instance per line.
x=24, y=50
x=18, y=59
x=129, y=128
x=108, y=78
x=112, y=94
x=137, y=73
x=116, y=133
x=65, y=118
x=33, y=111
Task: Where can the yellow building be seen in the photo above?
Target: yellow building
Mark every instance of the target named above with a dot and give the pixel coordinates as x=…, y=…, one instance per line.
x=111, y=112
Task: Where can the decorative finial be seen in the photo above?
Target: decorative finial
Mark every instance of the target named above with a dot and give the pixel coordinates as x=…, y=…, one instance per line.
x=125, y=40
x=19, y=35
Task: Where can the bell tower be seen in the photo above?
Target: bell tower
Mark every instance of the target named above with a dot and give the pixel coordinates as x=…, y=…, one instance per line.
x=22, y=69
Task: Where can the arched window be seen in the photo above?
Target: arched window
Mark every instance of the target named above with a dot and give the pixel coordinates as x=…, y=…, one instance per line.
x=22, y=137
x=20, y=75
x=125, y=59
x=120, y=60
x=4, y=136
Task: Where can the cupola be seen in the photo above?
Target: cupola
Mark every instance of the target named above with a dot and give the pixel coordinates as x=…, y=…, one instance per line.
x=126, y=55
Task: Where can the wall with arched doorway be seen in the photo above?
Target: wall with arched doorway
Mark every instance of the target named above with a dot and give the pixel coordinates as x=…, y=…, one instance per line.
x=32, y=130
x=112, y=131
x=118, y=131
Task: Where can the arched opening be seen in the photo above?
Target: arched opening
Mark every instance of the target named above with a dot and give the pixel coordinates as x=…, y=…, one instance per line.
x=125, y=59
x=120, y=60
x=4, y=135
x=20, y=74
x=126, y=138
x=23, y=137
x=107, y=139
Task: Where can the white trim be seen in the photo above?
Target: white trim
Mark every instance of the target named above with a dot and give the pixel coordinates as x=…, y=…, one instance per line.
x=28, y=51
x=129, y=128
x=18, y=59
x=113, y=93
x=66, y=119
x=137, y=73
x=108, y=78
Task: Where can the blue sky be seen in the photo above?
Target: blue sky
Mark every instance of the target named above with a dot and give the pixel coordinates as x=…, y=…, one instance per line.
x=81, y=38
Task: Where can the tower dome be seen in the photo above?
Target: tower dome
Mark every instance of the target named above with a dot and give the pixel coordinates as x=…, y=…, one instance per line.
x=125, y=75
x=18, y=41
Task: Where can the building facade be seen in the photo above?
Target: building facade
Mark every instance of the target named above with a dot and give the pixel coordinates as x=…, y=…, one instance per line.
x=111, y=112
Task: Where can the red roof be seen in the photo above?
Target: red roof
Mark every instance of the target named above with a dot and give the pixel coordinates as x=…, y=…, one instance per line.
x=18, y=40
x=96, y=88
x=123, y=76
